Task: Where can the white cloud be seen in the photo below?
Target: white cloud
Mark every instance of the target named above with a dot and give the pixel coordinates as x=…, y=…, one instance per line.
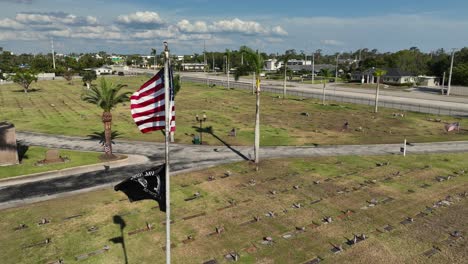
x=278, y=30
x=8, y=23
x=197, y=27
x=155, y=33
x=34, y=18
x=235, y=25
x=331, y=42
x=140, y=19
x=55, y=18
x=238, y=26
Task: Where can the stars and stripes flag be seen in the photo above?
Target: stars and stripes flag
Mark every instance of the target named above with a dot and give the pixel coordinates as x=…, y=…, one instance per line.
x=452, y=126
x=148, y=106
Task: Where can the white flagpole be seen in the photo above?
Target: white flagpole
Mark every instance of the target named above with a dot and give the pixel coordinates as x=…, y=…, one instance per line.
x=167, y=104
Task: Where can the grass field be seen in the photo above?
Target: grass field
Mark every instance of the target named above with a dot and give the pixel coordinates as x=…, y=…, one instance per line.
x=340, y=187
x=35, y=154
x=55, y=107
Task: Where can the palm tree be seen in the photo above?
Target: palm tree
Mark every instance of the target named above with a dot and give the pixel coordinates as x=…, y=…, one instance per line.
x=106, y=96
x=255, y=60
x=154, y=53
x=378, y=73
x=325, y=75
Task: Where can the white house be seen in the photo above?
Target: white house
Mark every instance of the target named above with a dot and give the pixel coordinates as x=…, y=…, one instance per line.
x=104, y=70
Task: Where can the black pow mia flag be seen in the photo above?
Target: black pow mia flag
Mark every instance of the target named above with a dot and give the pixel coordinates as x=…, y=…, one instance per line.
x=149, y=184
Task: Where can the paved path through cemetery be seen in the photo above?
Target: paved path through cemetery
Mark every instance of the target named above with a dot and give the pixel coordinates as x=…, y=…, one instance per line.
x=183, y=158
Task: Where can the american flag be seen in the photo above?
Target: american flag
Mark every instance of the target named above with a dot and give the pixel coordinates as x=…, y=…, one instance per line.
x=452, y=126
x=148, y=106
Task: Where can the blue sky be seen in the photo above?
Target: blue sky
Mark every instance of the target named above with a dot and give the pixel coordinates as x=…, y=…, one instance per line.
x=272, y=26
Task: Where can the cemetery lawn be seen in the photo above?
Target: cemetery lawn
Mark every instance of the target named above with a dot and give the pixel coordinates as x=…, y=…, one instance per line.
x=35, y=154
x=339, y=187
x=56, y=108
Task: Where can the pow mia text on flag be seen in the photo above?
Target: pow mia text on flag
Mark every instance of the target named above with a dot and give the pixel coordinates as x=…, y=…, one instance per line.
x=149, y=184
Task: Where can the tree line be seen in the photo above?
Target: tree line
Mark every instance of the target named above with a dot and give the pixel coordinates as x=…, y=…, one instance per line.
x=412, y=60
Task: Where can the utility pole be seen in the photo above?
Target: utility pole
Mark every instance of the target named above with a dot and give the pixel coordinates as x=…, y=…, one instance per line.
x=213, y=66
x=336, y=69
x=204, y=62
x=227, y=69
x=443, y=83
x=450, y=73
x=242, y=58
x=313, y=67
x=53, y=52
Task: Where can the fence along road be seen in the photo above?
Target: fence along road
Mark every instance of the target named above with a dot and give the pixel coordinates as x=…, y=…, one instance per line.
x=400, y=103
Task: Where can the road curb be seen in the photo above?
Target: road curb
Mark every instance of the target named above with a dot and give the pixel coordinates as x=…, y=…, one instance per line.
x=129, y=160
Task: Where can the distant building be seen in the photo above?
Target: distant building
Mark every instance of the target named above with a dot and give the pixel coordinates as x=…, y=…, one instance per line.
x=272, y=65
x=117, y=59
x=104, y=70
x=393, y=76
x=428, y=81
x=193, y=66
x=317, y=68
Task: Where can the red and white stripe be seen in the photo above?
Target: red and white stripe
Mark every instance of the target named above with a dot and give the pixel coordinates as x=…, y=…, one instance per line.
x=148, y=105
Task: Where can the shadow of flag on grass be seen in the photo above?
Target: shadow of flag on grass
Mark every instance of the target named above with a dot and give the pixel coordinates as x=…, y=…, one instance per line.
x=149, y=184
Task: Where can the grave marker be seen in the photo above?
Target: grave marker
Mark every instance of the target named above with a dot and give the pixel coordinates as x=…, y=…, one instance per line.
x=194, y=216
x=431, y=252
x=314, y=261
x=94, y=253
x=20, y=227
x=232, y=256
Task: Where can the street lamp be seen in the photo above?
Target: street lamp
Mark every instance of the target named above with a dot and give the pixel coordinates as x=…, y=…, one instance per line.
x=201, y=120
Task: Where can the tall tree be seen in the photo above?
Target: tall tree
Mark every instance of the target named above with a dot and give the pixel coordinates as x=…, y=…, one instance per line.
x=378, y=73
x=326, y=74
x=88, y=78
x=255, y=60
x=106, y=96
x=68, y=75
x=154, y=54
x=24, y=78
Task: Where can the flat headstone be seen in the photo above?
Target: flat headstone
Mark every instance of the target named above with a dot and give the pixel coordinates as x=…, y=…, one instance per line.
x=431, y=252
x=212, y=261
x=407, y=221
x=388, y=228
x=232, y=256
x=316, y=201
x=314, y=261
x=194, y=216
x=72, y=217
x=94, y=253
x=20, y=227
x=336, y=249
x=93, y=229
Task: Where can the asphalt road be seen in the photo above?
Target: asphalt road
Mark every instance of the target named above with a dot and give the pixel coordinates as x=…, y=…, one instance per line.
x=183, y=157
x=414, y=100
